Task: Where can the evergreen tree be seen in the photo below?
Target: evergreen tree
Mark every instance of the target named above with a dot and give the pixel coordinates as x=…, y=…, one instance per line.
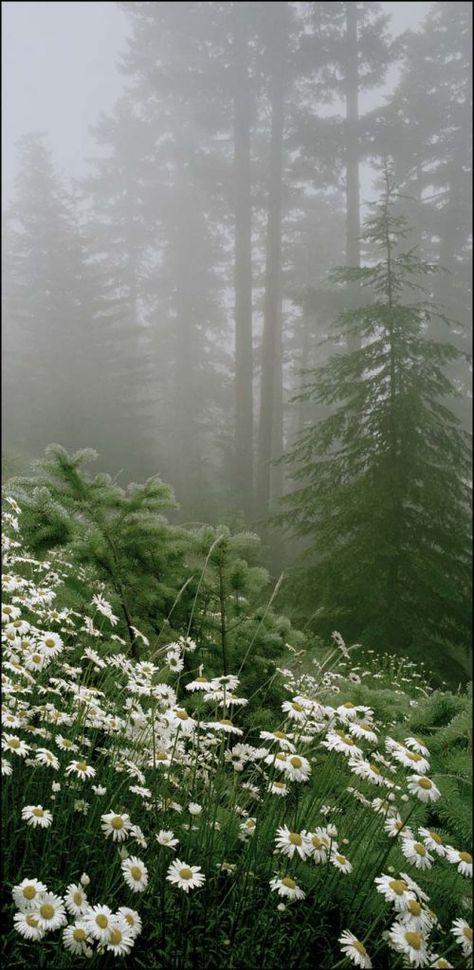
x=56, y=352
x=383, y=487
x=121, y=534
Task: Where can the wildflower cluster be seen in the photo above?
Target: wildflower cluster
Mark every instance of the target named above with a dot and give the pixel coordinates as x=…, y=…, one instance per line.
x=96, y=742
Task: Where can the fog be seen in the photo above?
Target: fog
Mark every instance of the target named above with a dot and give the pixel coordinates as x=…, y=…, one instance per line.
x=178, y=180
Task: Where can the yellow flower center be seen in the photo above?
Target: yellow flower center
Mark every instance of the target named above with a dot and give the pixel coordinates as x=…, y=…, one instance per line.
x=183, y=715
x=359, y=947
x=115, y=936
x=250, y=824
x=186, y=873
x=398, y=886
x=466, y=857
x=295, y=839
x=7, y=609
x=14, y=743
x=413, y=756
x=419, y=848
x=281, y=756
x=297, y=707
x=49, y=642
x=436, y=838
x=47, y=911
x=102, y=921
x=467, y=932
x=36, y=658
x=348, y=705
x=289, y=883
x=414, y=907
x=17, y=623
x=130, y=920
x=67, y=743
x=280, y=735
x=226, y=723
x=375, y=769
x=79, y=935
x=425, y=783
x=38, y=812
x=201, y=680
x=342, y=859
x=32, y=921
x=117, y=822
x=365, y=727
x=296, y=762
x=414, y=940
x=136, y=872
x=316, y=842
x=81, y=766
x=29, y=892
x=161, y=756
x=78, y=897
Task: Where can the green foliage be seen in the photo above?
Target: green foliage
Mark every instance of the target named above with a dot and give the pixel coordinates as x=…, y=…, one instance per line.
x=382, y=483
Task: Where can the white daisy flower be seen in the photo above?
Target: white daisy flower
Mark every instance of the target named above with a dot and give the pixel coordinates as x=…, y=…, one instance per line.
x=367, y=770
x=418, y=745
x=99, y=921
x=65, y=744
x=132, y=919
x=185, y=876
x=416, y=918
x=395, y=891
x=463, y=860
x=433, y=841
x=317, y=843
x=76, y=937
x=347, y=711
x=160, y=759
x=200, y=683
x=28, y=893
x=194, y=808
x=46, y=758
x=395, y=826
x=413, y=945
x=135, y=874
x=278, y=788
x=440, y=962
x=116, y=825
x=414, y=887
x=6, y=768
x=416, y=853
x=75, y=900
x=167, y=838
x=294, y=710
x=28, y=925
x=286, y=886
x=355, y=950
x=340, y=741
x=120, y=940
x=365, y=730
x=340, y=862
x=36, y=815
x=81, y=769
x=51, y=914
x=51, y=644
x=290, y=842
x=412, y=760
x=296, y=767
x=284, y=740
x=462, y=933
x=179, y=718
x=423, y=788
x=11, y=743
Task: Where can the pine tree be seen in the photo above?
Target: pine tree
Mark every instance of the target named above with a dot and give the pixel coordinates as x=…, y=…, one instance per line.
x=383, y=493
x=121, y=534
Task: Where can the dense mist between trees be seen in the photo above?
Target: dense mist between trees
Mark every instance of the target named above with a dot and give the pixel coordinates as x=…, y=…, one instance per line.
x=197, y=298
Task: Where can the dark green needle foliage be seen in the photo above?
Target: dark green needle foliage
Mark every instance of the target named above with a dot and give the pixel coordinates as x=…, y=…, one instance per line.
x=382, y=484
x=121, y=533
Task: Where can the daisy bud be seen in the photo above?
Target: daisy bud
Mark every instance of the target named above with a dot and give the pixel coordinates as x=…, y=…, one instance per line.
x=84, y=880
x=123, y=853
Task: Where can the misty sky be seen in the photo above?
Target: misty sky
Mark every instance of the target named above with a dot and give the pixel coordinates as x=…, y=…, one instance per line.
x=59, y=71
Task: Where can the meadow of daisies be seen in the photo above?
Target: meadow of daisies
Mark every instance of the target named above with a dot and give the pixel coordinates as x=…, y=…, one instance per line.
x=143, y=826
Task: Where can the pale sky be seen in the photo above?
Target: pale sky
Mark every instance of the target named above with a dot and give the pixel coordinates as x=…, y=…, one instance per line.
x=59, y=71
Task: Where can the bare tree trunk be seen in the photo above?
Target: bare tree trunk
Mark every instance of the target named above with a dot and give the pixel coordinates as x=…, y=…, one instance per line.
x=270, y=430
x=243, y=472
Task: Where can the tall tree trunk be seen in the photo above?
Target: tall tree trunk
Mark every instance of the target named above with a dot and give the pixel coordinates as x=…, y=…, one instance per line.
x=243, y=472
x=352, y=140
x=270, y=443
x=186, y=454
